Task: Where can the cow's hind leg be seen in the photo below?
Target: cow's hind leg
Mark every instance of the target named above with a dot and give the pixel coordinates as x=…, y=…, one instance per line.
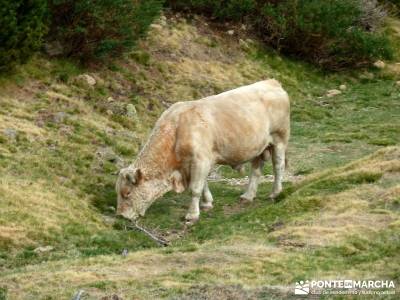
x=278, y=163
x=257, y=165
x=198, y=176
x=207, y=202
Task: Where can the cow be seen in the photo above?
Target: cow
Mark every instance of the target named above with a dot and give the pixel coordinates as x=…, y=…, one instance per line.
x=246, y=124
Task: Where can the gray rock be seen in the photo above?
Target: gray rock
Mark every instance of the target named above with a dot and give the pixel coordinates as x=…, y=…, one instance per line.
x=43, y=249
x=106, y=154
x=59, y=117
x=231, y=32
x=11, y=133
x=131, y=111
x=156, y=26
x=332, y=93
x=379, y=64
x=87, y=79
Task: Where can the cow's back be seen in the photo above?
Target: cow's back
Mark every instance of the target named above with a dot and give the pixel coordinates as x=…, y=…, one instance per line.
x=232, y=127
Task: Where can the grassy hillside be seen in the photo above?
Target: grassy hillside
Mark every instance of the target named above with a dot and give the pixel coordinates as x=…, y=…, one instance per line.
x=61, y=140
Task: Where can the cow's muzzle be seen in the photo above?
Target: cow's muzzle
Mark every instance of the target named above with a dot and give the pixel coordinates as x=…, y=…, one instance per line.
x=128, y=214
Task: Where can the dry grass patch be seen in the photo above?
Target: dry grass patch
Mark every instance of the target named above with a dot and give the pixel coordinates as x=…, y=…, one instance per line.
x=31, y=209
x=357, y=210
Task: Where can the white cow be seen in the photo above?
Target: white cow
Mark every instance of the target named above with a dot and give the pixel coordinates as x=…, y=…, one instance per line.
x=232, y=128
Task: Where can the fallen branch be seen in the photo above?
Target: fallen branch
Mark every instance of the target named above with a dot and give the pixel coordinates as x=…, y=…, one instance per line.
x=159, y=240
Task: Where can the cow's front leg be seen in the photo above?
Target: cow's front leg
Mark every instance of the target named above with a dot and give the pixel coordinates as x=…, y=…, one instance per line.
x=207, y=202
x=198, y=176
x=278, y=163
x=256, y=171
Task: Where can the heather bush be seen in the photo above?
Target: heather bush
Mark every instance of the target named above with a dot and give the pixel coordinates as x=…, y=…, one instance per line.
x=98, y=29
x=22, y=27
x=333, y=34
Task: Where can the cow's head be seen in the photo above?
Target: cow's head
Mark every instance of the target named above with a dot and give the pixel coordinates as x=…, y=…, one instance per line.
x=136, y=191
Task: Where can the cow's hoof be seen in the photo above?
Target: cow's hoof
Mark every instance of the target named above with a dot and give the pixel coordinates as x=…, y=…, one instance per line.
x=244, y=200
x=191, y=222
x=206, y=207
x=191, y=219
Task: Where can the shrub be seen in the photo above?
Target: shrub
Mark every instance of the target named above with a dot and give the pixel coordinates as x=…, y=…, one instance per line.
x=333, y=34
x=98, y=29
x=22, y=27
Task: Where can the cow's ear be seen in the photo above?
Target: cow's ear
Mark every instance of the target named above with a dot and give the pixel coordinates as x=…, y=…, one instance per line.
x=177, y=182
x=135, y=176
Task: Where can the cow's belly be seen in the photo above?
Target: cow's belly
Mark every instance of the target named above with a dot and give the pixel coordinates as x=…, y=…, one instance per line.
x=234, y=151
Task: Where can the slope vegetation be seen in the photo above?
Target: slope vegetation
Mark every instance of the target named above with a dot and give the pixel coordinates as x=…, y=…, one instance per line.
x=63, y=135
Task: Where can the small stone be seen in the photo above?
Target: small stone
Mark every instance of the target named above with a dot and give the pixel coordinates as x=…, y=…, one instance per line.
x=59, y=117
x=398, y=83
x=131, y=110
x=11, y=133
x=156, y=26
x=109, y=112
x=89, y=80
x=343, y=87
x=332, y=93
x=106, y=153
x=379, y=64
x=243, y=27
x=231, y=32
x=43, y=249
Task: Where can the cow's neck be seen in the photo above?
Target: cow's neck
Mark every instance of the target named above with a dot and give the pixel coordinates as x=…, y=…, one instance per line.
x=157, y=159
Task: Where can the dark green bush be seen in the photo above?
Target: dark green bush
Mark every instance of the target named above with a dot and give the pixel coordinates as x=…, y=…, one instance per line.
x=22, y=27
x=102, y=28
x=333, y=34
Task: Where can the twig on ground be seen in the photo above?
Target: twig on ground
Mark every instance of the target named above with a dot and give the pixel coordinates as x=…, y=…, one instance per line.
x=161, y=241
x=78, y=295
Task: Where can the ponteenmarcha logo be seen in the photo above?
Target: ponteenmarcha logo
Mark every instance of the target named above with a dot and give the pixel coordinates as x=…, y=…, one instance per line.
x=345, y=287
x=302, y=288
